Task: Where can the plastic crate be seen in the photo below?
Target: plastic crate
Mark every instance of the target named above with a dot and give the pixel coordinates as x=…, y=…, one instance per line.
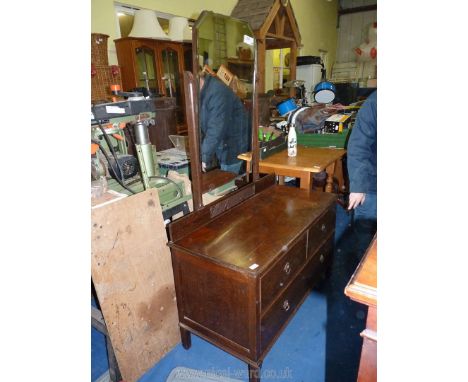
x=337, y=140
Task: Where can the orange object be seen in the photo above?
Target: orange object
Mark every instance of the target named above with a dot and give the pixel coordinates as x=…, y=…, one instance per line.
x=122, y=125
x=94, y=148
x=115, y=87
x=207, y=69
x=118, y=137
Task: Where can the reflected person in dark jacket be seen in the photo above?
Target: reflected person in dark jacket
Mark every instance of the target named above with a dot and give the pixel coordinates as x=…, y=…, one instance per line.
x=224, y=123
x=362, y=170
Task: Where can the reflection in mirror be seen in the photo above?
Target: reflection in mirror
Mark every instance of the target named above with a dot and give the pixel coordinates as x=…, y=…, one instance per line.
x=224, y=50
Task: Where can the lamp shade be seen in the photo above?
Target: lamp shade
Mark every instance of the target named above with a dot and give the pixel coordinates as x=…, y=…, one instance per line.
x=177, y=29
x=145, y=24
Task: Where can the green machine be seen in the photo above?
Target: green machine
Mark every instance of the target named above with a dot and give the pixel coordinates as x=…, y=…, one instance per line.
x=125, y=173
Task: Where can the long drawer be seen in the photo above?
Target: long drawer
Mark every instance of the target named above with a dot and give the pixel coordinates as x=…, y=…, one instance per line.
x=283, y=271
x=281, y=310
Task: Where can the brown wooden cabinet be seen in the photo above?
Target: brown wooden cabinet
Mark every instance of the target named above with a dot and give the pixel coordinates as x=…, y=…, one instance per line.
x=244, y=264
x=156, y=63
x=362, y=287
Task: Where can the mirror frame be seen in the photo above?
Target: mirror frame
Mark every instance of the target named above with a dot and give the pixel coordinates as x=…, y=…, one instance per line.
x=202, y=181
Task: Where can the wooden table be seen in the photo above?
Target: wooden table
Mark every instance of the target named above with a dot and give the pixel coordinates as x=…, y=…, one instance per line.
x=362, y=287
x=309, y=160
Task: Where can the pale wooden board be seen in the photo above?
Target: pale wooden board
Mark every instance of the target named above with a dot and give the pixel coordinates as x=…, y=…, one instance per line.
x=132, y=273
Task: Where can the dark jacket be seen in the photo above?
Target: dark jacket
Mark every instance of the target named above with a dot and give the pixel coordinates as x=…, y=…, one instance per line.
x=362, y=149
x=224, y=123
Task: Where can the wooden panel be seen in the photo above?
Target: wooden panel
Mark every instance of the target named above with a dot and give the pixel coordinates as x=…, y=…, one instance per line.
x=132, y=273
x=210, y=296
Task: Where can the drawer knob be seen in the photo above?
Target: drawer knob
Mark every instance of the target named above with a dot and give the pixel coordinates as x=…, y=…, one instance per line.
x=324, y=227
x=286, y=305
x=287, y=268
x=322, y=258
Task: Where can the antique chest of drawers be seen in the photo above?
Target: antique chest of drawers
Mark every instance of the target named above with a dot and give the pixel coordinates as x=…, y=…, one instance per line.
x=243, y=266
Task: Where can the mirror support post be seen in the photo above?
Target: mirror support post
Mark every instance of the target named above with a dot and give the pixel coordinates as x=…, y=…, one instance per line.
x=191, y=107
x=255, y=148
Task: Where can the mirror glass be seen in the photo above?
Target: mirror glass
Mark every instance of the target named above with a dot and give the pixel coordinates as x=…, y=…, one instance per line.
x=224, y=49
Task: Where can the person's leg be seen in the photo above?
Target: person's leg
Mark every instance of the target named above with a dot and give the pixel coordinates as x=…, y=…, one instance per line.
x=365, y=223
x=235, y=167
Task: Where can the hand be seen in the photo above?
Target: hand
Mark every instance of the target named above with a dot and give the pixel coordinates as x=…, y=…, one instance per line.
x=203, y=166
x=356, y=199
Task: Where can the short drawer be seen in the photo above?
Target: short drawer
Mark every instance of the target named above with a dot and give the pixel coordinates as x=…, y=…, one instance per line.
x=274, y=281
x=281, y=310
x=320, y=259
x=320, y=230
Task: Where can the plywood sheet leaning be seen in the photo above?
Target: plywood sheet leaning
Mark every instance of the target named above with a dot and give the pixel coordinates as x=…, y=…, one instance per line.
x=132, y=273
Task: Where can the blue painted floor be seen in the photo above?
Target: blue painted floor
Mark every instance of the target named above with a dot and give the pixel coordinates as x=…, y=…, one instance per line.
x=320, y=344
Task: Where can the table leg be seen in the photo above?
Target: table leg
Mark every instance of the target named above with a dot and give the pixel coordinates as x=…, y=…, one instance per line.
x=185, y=338
x=281, y=180
x=340, y=175
x=330, y=174
x=247, y=170
x=254, y=374
x=306, y=180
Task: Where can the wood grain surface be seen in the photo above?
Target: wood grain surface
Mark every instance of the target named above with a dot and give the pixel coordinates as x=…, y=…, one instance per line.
x=310, y=159
x=257, y=229
x=362, y=286
x=132, y=273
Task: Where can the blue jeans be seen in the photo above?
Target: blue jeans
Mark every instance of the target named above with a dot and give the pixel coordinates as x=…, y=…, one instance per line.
x=235, y=167
x=365, y=223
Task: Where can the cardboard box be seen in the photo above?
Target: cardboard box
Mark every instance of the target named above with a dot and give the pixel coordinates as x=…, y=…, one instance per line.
x=225, y=75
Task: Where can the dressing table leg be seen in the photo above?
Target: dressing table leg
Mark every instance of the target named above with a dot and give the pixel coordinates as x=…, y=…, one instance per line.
x=186, y=338
x=254, y=373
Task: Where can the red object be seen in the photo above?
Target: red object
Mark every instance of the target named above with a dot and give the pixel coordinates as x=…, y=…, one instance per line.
x=358, y=51
x=115, y=70
x=93, y=70
x=373, y=53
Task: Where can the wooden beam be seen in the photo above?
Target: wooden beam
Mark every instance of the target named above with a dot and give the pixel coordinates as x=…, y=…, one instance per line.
x=292, y=67
x=293, y=23
x=277, y=44
x=277, y=25
x=261, y=48
x=364, y=8
x=271, y=16
x=279, y=37
x=282, y=20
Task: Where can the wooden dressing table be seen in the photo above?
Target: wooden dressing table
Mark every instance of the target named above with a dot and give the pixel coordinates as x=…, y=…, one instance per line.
x=244, y=264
